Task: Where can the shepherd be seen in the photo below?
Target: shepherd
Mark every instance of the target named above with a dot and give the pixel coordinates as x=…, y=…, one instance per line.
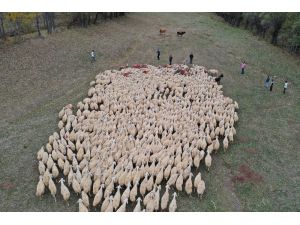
x=243, y=66
x=271, y=86
x=170, y=59
x=267, y=81
x=191, y=58
x=93, y=56
x=158, y=54
x=285, y=86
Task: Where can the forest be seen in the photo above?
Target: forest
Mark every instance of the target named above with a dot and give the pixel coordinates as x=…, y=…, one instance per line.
x=281, y=29
x=16, y=24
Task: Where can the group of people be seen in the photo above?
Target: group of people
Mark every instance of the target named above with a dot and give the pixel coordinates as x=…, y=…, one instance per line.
x=191, y=56
x=269, y=83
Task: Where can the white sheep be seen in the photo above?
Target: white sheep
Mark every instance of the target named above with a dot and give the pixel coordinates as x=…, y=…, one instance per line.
x=64, y=190
x=139, y=130
x=52, y=187
x=85, y=199
x=225, y=143
x=40, y=189
x=40, y=153
x=82, y=207
x=123, y=206
x=105, y=203
x=42, y=168
x=76, y=186
x=201, y=188
x=110, y=207
x=189, y=185
x=117, y=198
x=179, y=182
x=45, y=157
x=98, y=196
x=157, y=198
x=70, y=177
x=197, y=180
x=165, y=198
x=126, y=193
x=208, y=161
x=138, y=208
x=173, y=204
x=55, y=171
x=133, y=192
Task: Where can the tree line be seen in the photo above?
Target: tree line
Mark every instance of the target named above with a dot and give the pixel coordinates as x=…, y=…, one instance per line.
x=15, y=24
x=281, y=29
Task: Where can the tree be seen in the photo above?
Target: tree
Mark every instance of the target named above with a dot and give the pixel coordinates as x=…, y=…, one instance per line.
x=2, y=31
x=277, y=20
x=15, y=19
x=96, y=17
x=37, y=19
x=49, y=21
x=289, y=36
x=281, y=29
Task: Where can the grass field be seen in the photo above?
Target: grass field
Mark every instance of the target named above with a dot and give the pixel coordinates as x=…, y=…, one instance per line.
x=260, y=172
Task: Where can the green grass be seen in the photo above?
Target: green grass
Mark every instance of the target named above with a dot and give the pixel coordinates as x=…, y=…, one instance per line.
x=40, y=76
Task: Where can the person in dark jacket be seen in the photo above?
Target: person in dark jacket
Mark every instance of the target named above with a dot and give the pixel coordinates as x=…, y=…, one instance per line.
x=170, y=59
x=191, y=58
x=271, y=86
x=158, y=54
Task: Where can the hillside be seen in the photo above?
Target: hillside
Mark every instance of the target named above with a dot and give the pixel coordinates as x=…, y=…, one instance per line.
x=39, y=76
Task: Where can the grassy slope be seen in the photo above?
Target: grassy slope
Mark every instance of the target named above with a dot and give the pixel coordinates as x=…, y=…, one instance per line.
x=39, y=77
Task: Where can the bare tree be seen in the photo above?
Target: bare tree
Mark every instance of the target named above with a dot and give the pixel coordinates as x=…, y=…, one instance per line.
x=2, y=31
x=38, y=24
x=49, y=21
x=96, y=17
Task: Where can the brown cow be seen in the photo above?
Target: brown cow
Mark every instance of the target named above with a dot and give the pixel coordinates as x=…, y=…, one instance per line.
x=162, y=31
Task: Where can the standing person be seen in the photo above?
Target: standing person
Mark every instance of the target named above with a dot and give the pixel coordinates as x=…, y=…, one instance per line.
x=158, y=54
x=191, y=58
x=285, y=86
x=267, y=81
x=170, y=59
x=243, y=66
x=271, y=86
x=93, y=56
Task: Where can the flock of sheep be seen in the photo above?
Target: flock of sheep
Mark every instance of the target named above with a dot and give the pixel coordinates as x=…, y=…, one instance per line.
x=140, y=129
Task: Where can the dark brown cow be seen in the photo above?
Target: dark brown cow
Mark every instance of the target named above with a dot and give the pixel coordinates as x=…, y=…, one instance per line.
x=218, y=79
x=180, y=33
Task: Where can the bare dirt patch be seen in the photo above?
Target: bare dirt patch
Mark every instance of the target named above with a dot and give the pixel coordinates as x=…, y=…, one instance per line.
x=251, y=150
x=242, y=139
x=291, y=122
x=7, y=186
x=246, y=174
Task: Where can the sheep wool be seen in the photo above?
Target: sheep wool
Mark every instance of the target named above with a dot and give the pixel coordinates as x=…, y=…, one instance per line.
x=173, y=203
x=138, y=208
x=64, y=190
x=40, y=189
x=143, y=127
